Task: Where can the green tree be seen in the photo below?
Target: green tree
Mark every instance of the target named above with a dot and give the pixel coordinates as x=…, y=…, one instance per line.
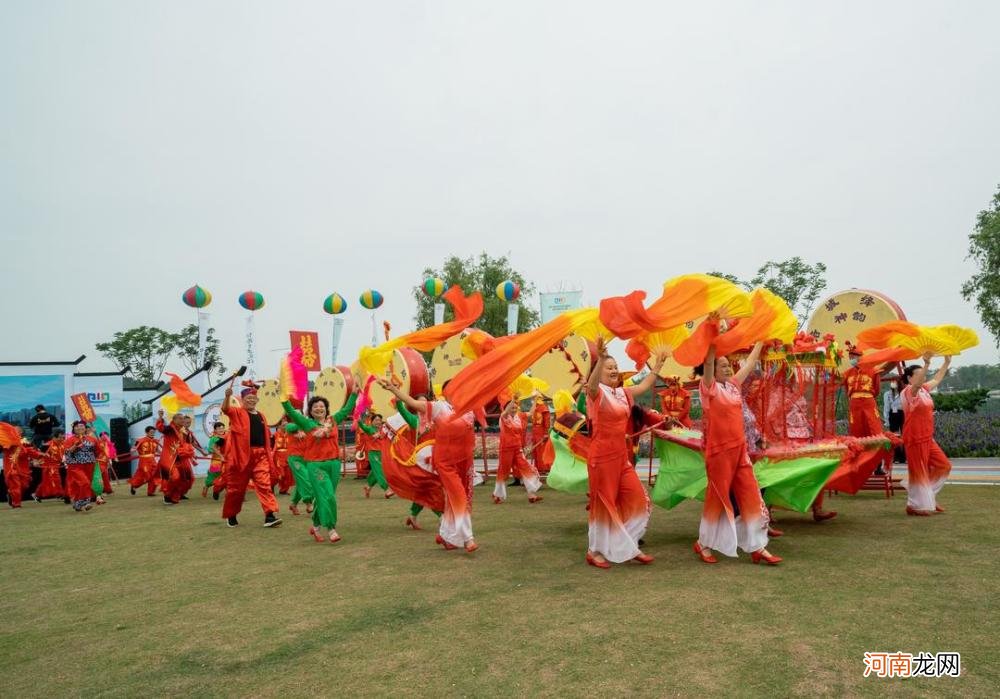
x=971, y=376
x=961, y=402
x=984, y=286
x=484, y=274
x=186, y=342
x=144, y=350
x=794, y=280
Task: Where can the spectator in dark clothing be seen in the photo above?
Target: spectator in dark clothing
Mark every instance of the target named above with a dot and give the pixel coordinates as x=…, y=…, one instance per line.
x=42, y=425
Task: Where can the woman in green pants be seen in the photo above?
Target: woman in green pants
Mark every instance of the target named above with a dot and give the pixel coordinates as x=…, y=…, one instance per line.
x=322, y=458
x=379, y=438
x=297, y=465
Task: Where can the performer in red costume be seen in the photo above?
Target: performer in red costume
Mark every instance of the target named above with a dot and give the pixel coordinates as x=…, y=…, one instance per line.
x=146, y=471
x=861, y=383
x=452, y=459
x=249, y=457
x=282, y=477
x=81, y=459
x=727, y=464
x=540, y=422
x=619, y=506
x=177, y=457
x=52, y=461
x=926, y=463
x=512, y=428
x=17, y=470
x=675, y=401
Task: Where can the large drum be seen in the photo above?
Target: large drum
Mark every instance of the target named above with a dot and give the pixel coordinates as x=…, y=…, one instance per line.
x=409, y=367
x=847, y=313
x=269, y=403
x=448, y=359
x=566, y=366
x=335, y=383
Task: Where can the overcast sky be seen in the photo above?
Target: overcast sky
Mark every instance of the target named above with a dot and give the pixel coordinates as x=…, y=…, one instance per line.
x=301, y=148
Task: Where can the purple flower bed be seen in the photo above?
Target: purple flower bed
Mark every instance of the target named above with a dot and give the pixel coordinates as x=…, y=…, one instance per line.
x=966, y=434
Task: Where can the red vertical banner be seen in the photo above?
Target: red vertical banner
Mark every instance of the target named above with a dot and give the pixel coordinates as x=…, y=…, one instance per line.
x=309, y=342
x=83, y=407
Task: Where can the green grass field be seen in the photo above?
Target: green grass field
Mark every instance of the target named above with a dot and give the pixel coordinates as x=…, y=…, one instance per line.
x=137, y=598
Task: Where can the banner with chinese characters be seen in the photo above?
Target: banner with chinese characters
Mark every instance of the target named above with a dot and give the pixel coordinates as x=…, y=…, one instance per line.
x=83, y=407
x=308, y=341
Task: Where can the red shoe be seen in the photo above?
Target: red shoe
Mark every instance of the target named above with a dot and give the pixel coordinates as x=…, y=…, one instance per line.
x=334, y=536
x=703, y=554
x=314, y=533
x=938, y=510
x=917, y=513
x=294, y=509
x=819, y=516
x=447, y=546
x=411, y=523
x=368, y=491
x=774, y=533
x=471, y=546
x=644, y=558
x=497, y=501
x=535, y=498
x=592, y=561
x=758, y=556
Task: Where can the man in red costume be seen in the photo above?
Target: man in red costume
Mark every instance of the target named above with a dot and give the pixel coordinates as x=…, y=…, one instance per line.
x=51, y=485
x=177, y=457
x=249, y=457
x=17, y=470
x=146, y=471
x=675, y=401
x=861, y=384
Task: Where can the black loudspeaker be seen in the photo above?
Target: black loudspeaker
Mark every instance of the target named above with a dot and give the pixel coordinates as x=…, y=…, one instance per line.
x=123, y=445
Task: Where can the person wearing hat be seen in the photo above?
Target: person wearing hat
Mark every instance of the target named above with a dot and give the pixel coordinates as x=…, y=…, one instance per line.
x=675, y=401
x=861, y=383
x=249, y=456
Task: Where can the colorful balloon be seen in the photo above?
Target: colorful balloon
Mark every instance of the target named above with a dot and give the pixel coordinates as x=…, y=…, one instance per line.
x=334, y=304
x=434, y=287
x=508, y=291
x=196, y=297
x=252, y=300
x=371, y=299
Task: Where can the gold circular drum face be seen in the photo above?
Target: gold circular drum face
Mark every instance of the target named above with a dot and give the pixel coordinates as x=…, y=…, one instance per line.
x=332, y=384
x=269, y=401
x=448, y=359
x=847, y=313
x=410, y=369
x=566, y=366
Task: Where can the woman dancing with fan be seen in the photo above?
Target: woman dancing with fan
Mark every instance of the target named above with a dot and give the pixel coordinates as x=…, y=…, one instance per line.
x=926, y=464
x=728, y=467
x=619, y=507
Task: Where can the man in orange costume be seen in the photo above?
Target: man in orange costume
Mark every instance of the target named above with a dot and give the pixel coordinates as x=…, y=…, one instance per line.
x=675, y=401
x=146, y=470
x=249, y=457
x=862, y=385
x=282, y=474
